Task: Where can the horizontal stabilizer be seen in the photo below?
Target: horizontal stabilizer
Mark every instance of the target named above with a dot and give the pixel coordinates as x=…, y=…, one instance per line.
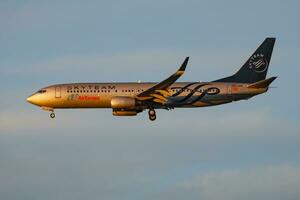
x=263, y=83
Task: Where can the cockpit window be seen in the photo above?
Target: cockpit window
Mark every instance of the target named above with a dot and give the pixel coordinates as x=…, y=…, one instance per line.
x=42, y=91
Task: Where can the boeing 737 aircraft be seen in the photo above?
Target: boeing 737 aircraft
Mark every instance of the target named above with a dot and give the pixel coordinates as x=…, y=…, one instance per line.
x=129, y=99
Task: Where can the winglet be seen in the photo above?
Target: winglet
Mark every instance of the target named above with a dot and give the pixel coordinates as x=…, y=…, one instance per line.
x=167, y=82
x=184, y=64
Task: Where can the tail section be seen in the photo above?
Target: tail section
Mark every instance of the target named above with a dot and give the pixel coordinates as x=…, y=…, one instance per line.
x=256, y=67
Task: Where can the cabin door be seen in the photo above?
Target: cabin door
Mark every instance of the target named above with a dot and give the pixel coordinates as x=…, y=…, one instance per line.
x=57, y=92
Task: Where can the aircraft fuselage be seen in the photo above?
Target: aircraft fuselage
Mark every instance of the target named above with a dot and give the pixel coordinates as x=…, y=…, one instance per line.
x=99, y=95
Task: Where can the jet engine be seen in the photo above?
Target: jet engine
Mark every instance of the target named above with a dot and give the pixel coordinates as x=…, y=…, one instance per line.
x=123, y=103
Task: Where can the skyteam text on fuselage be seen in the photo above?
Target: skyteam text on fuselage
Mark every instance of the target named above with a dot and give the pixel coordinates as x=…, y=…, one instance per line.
x=129, y=99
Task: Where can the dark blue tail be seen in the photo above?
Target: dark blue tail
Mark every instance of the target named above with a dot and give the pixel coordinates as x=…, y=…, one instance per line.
x=256, y=67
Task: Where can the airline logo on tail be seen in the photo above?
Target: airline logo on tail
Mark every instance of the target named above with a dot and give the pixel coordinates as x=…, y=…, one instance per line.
x=258, y=63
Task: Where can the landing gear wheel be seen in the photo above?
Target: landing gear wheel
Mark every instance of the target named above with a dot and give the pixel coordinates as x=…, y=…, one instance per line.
x=152, y=117
x=52, y=115
x=152, y=114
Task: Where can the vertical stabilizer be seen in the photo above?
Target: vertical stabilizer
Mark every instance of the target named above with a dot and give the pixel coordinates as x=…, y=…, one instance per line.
x=256, y=67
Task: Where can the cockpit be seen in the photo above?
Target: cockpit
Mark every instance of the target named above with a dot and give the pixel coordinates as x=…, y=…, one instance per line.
x=41, y=91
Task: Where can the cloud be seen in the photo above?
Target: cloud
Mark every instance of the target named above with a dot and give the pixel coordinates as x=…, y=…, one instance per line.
x=262, y=182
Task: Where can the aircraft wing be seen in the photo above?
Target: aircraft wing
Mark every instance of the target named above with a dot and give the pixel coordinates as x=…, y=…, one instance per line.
x=159, y=92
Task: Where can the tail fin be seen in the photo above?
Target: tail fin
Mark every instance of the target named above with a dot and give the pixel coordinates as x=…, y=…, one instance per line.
x=256, y=67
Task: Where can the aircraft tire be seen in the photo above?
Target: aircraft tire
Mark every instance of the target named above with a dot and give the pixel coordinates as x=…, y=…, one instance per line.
x=152, y=117
x=52, y=115
x=151, y=112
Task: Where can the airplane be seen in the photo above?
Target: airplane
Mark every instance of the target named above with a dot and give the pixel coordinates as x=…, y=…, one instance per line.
x=131, y=98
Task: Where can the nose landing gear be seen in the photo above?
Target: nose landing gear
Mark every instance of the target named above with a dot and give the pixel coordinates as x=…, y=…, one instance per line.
x=152, y=114
x=52, y=115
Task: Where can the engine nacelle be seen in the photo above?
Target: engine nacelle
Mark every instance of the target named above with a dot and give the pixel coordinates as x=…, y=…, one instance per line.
x=124, y=113
x=123, y=103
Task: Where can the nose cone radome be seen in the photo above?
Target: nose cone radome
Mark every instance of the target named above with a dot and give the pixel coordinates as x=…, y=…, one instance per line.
x=32, y=99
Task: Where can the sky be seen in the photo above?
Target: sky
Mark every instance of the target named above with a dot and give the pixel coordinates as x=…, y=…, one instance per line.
x=244, y=150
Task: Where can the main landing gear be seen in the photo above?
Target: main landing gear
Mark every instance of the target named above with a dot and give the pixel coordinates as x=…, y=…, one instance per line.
x=152, y=114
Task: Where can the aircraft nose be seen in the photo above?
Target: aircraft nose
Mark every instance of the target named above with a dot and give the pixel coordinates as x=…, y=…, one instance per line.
x=31, y=99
